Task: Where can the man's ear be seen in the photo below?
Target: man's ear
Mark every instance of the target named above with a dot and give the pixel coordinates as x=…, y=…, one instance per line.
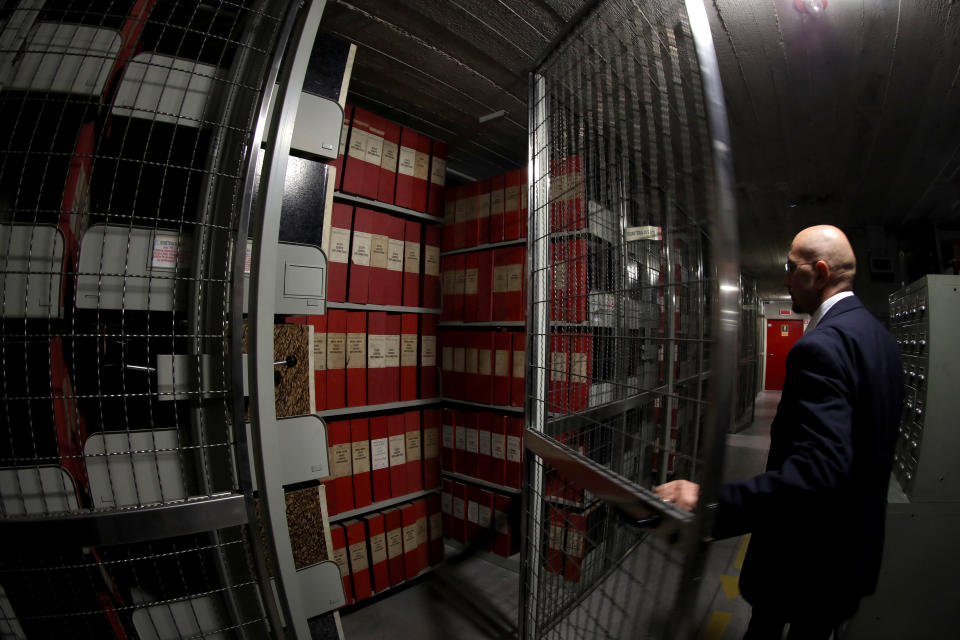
x=822, y=270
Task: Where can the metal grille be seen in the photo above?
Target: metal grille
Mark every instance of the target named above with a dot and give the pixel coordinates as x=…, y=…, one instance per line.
x=625, y=305
x=121, y=177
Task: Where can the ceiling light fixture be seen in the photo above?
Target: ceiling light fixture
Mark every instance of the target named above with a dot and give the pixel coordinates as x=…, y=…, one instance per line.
x=813, y=7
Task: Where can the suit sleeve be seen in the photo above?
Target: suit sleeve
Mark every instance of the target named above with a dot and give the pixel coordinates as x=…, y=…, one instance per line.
x=820, y=451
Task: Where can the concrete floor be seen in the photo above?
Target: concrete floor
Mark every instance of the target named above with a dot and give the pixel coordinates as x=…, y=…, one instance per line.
x=471, y=599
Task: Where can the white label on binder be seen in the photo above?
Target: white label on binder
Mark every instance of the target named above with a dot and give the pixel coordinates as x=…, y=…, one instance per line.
x=380, y=453
x=407, y=162
x=394, y=254
x=361, y=248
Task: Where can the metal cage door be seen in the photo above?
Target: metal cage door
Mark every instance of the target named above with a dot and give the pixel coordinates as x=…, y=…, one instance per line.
x=634, y=307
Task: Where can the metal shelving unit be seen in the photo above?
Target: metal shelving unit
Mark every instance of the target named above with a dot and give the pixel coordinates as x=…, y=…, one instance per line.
x=360, y=201
x=383, y=504
x=499, y=488
x=485, y=247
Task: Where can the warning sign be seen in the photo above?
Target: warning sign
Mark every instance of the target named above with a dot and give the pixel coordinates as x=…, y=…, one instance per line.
x=167, y=251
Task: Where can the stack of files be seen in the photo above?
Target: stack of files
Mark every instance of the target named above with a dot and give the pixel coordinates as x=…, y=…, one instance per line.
x=483, y=445
x=484, y=519
x=488, y=367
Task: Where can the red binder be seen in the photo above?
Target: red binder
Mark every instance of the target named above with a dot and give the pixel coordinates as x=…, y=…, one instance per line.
x=498, y=450
x=483, y=212
x=514, y=466
x=448, y=265
x=428, y=356
x=357, y=552
x=446, y=507
x=511, y=205
x=496, y=208
x=508, y=280
x=484, y=519
x=411, y=555
x=393, y=523
x=458, y=373
x=344, y=136
x=377, y=538
x=485, y=367
x=559, y=376
x=412, y=170
x=473, y=508
x=574, y=546
x=360, y=456
x=431, y=448
x=423, y=540
x=396, y=430
x=338, y=537
x=336, y=359
x=340, y=486
x=448, y=236
x=484, y=424
x=446, y=366
x=391, y=359
x=555, y=540
x=361, y=168
x=409, y=351
x=435, y=529
x=336, y=247
x=518, y=370
x=363, y=225
x=447, y=450
x=524, y=197
x=471, y=443
x=431, y=267
x=393, y=276
x=458, y=521
x=377, y=286
x=466, y=231
x=460, y=442
x=581, y=365
x=502, y=541
x=560, y=264
x=438, y=178
x=376, y=356
x=380, y=458
x=470, y=289
x=471, y=377
x=567, y=197
x=411, y=263
x=484, y=286
x=459, y=287
x=388, y=162
x=356, y=358
x=577, y=288
x=501, y=368
x=411, y=421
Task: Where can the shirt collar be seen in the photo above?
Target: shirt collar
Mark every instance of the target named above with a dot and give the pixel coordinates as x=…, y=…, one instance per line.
x=825, y=306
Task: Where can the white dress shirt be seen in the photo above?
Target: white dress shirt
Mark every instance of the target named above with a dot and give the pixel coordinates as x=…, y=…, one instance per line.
x=825, y=306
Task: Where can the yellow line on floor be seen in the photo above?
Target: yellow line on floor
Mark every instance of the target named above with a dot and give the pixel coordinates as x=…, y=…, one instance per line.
x=738, y=562
x=717, y=625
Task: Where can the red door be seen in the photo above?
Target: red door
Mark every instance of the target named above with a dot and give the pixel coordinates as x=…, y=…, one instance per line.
x=781, y=334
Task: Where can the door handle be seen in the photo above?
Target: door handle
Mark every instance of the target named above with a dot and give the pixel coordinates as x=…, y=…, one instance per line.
x=769, y=355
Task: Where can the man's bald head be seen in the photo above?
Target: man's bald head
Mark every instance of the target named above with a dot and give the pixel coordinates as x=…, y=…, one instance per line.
x=820, y=264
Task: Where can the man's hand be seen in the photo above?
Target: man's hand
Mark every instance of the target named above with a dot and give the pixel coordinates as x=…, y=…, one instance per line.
x=682, y=493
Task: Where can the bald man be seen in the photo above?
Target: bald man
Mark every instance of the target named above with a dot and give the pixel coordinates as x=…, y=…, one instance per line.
x=817, y=513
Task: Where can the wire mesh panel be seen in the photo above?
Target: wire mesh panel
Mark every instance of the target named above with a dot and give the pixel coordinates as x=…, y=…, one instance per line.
x=625, y=306
x=128, y=127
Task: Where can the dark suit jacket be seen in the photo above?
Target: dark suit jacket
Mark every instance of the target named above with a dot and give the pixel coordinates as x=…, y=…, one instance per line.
x=817, y=514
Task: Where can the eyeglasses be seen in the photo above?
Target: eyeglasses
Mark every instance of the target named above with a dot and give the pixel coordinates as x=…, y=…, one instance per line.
x=790, y=267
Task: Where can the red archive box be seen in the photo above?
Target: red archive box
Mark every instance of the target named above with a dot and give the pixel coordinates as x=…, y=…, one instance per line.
x=581, y=366
x=412, y=171
x=577, y=290
x=377, y=539
x=336, y=359
x=575, y=545
x=336, y=247
x=430, y=276
x=471, y=376
x=435, y=529
x=359, y=281
x=411, y=555
x=409, y=350
x=431, y=448
x=438, y=178
x=484, y=286
x=496, y=208
x=465, y=232
x=514, y=465
x=501, y=368
x=484, y=424
x=380, y=458
x=411, y=263
x=411, y=422
x=387, y=282
x=396, y=430
x=567, y=196
x=344, y=136
x=447, y=241
x=511, y=205
x=558, y=389
x=484, y=535
x=498, y=450
x=376, y=354
x=423, y=540
x=471, y=266
x=428, y=356
x=459, y=442
x=483, y=212
x=361, y=167
x=555, y=548
x=393, y=523
x=458, y=519
x=338, y=537
x=484, y=341
x=459, y=267
x=388, y=162
x=391, y=358
x=524, y=198
x=340, y=486
x=503, y=536
x=448, y=448
x=357, y=553
x=471, y=443
x=518, y=370
x=508, y=279
x=448, y=267
x=356, y=358
x=446, y=507
x=446, y=364
x=473, y=497
x=360, y=459
x=559, y=281
x=458, y=373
